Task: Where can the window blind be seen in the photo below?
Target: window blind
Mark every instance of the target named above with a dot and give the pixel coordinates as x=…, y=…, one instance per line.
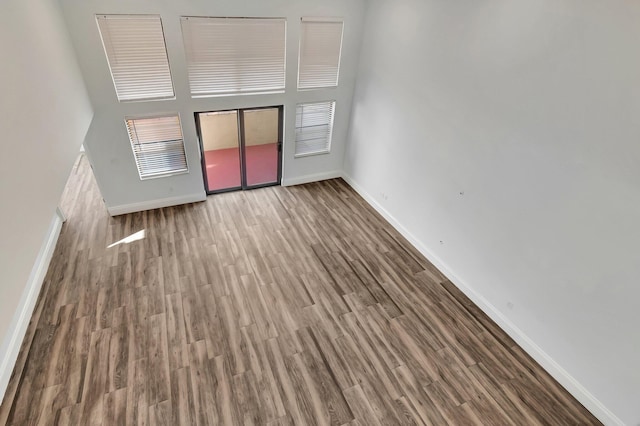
x=137, y=56
x=157, y=146
x=234, y=55
x=319, y=56
x=314, y=126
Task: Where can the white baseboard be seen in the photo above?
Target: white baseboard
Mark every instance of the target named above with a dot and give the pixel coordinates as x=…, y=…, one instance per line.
x=20, y=322
x=312, y=178
x=578, y=391
x=156, y=204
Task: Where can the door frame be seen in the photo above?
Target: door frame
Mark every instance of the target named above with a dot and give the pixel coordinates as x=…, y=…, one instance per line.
x=242, y=148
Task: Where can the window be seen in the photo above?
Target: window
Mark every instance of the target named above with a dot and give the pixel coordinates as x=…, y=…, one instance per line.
x=319, y=59
x=234, y=55
x=157, y=146
x=137, y=56
x=314, y=126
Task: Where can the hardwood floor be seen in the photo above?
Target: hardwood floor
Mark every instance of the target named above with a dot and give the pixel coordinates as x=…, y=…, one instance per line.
x=277, y=306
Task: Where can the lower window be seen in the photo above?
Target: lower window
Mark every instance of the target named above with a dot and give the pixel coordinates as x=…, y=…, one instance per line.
x=158, y=147
x=314, y=127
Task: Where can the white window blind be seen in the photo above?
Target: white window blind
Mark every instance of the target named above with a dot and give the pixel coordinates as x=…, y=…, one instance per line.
x=234, y=55
x=314, y=126
x=319, y=59
x=157, y=145
x=135, y=49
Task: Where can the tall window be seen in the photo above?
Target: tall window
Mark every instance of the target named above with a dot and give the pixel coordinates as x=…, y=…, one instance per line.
x=234, y=55
x=137, y=56
x=157, y=146
x=319, y=59
x=314, y=127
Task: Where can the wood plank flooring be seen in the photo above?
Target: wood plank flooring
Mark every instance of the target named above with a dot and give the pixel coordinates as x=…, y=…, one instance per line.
x=277, y=306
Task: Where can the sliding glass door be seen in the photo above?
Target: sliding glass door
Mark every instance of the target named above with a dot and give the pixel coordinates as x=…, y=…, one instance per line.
x=241, y=149
x=220, y=143
x=261, y=145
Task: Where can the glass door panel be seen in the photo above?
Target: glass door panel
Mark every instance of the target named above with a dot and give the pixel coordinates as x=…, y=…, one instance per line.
x=261, y=137
x=221, y=150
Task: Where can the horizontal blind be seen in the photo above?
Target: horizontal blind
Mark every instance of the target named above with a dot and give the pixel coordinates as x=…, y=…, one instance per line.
x=319, y=60
x=135, y=49
x=234, y=55
x=157, y=146
x=314, y=127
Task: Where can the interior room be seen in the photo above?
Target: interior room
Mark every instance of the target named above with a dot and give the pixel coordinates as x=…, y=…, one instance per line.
x=300, y=212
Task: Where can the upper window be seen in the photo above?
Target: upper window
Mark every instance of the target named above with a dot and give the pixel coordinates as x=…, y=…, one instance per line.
x=319, y=59
x=157, y=146
x=135, y=49
x=234, y=55
x=314, y=127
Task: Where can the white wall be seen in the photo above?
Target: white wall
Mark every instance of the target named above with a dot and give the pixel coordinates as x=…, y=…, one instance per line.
x=506, y=139
x=107, y=142
x=44, y=115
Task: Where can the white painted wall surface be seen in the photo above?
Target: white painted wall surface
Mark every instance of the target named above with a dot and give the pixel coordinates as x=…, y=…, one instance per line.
x=510, y=132
x=107, y=142
x=44, y=116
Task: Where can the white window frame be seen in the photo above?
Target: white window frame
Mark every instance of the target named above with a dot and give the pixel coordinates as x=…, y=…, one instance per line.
x=216, y=62
x=329, y=133
x=137, y=159
x=315, y=56
x=124, y=77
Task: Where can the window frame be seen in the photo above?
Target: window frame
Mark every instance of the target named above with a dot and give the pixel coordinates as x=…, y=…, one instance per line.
x=103, y=16
x=319, y=20
x=239, y=91
x=330, y=125
x=135, y=155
